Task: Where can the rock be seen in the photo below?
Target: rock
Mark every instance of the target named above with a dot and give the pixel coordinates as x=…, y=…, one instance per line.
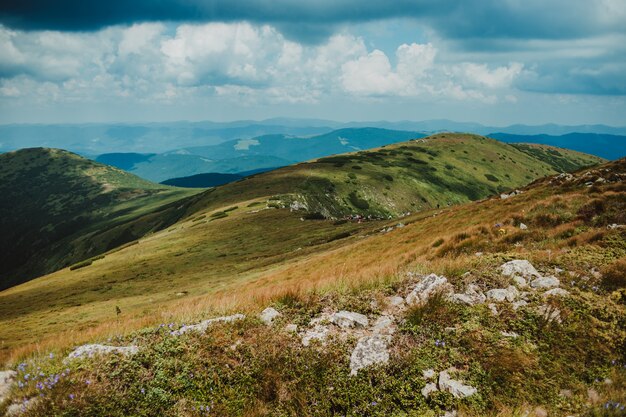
x=473, y=295
x=451, y=413
x=512, y=335
x=349, y=319
x=519, y=281
x=520, y=268
x=204, y=325
x=16, y=409
x=429, y=389
x=549, y=313
x=291, y=328
x=540, y=412
x=522, y=226
x=395, y=301
x=545, y=282
x=518, y=304
x=88, y=351
x=427, y=287
x=6, y=380
x=319, y=333
x=556, y=292
x=454, y=387
x=593, y=396
x=492, y=307
x=370, y=350
x=503, y=294
x=384, y=325
x=566, y=393
x=428, y=374
x=268, y=315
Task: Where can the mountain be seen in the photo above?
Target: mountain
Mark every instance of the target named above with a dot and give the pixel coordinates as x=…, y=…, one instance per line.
x=212, y=179
x=57, y=208
x=361, y=326
x=122, y=160
x=602, y=145
x=229, y=233
x=261, y=152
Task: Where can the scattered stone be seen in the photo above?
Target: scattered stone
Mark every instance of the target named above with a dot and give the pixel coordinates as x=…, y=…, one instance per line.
x=349, y=319
x=473, y=295
x=566, y=393
x=204, y=325
x=540, y=412
x=492, y=307
x=518, y=304
x=395, y=301
x=268, y=315
x=549, y=314
x=319, y=333
x=522, y=226
x=370, y=350
x=451, y=413
x=6, y=380
x=88, y=351
x=593, y=396
x=503, y=294
x=428, y=374
x=291, y=328
x=615, y=226
x=545, y=282
x=454, y=387
x=519, y=281
x=427, y=287
x=519, y=267
x=384, y=325
x=556, y=292
x=512, y=335
x=429, y=389
x=557, y=270
x=16, y=409
x=478, y=254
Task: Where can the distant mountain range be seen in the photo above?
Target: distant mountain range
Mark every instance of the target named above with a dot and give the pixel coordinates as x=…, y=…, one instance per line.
x=98, y=138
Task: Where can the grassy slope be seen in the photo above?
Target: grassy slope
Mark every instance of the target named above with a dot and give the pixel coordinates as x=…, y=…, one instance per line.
x=57, y=208
x=207, y=255
x=267, y=373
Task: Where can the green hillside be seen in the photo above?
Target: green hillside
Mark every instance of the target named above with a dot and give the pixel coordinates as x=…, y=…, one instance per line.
x=57, y=208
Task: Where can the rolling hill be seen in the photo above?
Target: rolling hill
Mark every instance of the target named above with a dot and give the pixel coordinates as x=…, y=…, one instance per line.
x=522, y=354
x=57, y=208
x=233, y=234
x=603, y=145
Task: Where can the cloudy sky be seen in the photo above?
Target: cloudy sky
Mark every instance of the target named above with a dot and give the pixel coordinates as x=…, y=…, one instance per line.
x=490, y=61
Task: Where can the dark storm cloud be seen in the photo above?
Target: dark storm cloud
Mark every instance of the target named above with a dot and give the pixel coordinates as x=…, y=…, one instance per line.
x=312, y=21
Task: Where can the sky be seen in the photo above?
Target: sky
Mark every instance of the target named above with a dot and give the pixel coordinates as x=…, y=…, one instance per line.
x=494, y=62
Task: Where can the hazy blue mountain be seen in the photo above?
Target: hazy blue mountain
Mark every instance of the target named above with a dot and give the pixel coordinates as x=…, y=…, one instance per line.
x=603, y=145
x=124, y=161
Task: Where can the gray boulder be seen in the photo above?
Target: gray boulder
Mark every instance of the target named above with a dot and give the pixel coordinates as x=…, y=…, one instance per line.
x=349, y=319
x=384, y=325
x=454, y=387
x=88, y=351
x=204, y=325
x=429, y=389
x=556, y=292
x=520, y=268
x=370, y=350
x=545, y=282
x=319, y=333
x=6, y=380
x=427, y=287
x=268, y=315
x=473, y=295
x=503, y=294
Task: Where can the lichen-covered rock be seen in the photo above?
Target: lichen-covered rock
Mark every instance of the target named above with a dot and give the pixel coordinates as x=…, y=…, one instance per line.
x=395, y=301
x=428, y=374
x=88, y=351
x=319, y=333
x=472, y=296
x=520, y=268
x=6, y=380
x=427, y=287
x=454, y=387
x=268, y=315
x=503, y=294
x=545, y=282
x=556, y=292
x=370, y=350
x=349, y=319
x=291, y=328
x=384, y=325
x=429, y=389
x=204, y=325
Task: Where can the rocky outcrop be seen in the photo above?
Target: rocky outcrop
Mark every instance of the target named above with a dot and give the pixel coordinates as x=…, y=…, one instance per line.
x=454, y=387
x=520, y=268
x=88, y=351
x=204, y=325
x=349, y=319
x=268, y=315
x=427, y=287
x=509, y=294
x=6, y=380
x=472, y=295
x=319, y=333
x=370, y=350
x=545, y=282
